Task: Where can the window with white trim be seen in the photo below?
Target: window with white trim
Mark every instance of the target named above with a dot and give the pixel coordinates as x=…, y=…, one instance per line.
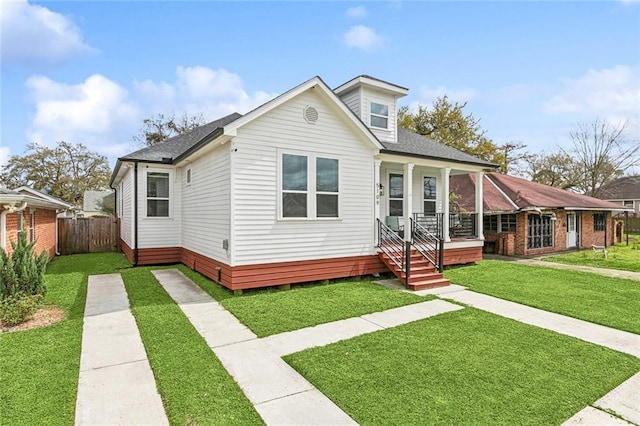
x=157, y=194
x=379, y=115
x=396, y=194
x=429, y=194
x=188, y=176
x=310, y=186
x=20, y=223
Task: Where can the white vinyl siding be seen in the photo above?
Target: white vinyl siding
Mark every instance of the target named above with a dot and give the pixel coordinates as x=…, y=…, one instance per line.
x=419, y=172
x=154, y=232
x=352, y=100
x=206, y=205
x=126, y=208
x=258, y=235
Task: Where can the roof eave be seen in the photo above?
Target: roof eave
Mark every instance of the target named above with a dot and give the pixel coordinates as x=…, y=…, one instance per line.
x=430, y=157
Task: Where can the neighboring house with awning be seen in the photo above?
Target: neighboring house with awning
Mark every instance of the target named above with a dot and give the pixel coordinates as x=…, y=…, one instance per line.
x=26, y=210
x=527, y=218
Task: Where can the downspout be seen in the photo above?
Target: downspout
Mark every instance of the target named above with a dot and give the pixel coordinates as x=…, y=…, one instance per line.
x=9, y=208
x=135, y=213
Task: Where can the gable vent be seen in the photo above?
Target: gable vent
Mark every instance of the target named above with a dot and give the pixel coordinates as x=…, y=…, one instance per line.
x=310, y=114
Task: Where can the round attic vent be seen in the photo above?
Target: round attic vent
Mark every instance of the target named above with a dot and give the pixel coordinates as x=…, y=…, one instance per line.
x=310, y=114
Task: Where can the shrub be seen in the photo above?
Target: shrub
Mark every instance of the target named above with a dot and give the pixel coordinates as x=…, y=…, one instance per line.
x=22, y=271
x=19, y=308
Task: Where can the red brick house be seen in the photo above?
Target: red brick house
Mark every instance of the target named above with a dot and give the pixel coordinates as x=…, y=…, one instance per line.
x=27, y=210
x=528, y=218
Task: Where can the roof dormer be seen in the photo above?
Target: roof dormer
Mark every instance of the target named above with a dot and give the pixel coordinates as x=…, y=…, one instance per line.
x=375, y=102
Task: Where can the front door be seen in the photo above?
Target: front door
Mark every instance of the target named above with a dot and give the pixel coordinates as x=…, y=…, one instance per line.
x=571, y=230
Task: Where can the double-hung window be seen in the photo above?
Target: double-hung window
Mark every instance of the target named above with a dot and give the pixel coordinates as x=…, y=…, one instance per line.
x=490, y=223
x=157, y=194
x=508, y=223
x=32, y=225
x=379, y=115
x=396, y=194
x=310, y=186
x=429, y=194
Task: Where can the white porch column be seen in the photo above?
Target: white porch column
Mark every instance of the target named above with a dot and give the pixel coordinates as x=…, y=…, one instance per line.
x=444, y=176
x=479, y=208
x=376, y=194
x=408, y=199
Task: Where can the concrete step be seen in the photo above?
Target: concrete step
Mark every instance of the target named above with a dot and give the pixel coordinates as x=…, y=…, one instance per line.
x=426, y=284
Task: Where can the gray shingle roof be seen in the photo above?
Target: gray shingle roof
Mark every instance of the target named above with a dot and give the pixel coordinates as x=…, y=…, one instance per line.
x=414, y=144
x=178, y=145
x=624, y=188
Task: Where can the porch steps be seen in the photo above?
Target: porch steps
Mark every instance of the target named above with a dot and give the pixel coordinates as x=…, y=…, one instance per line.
x=422, y=274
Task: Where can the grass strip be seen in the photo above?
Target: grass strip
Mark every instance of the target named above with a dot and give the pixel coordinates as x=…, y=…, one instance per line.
x=195, y=387
x=272, y=311
x=620, y=256
x=603, y=300
x=464, y=367
x=39, y=368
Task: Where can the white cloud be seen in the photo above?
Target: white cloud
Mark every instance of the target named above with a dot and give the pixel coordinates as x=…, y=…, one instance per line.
x=34, y=34
x=363, y=37
x=95, y=112
x=610, y=93
x=357, y=12
x=106, y=116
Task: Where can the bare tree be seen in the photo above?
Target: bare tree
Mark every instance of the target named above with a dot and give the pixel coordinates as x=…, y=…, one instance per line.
x=512, y=157
x=160, y=127
x=601, y=153
x=557, y=170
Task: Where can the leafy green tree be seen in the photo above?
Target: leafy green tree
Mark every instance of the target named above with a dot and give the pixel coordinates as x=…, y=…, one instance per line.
x=449, y=124
x=64, y=172
x=160, y=127
x=557, y=170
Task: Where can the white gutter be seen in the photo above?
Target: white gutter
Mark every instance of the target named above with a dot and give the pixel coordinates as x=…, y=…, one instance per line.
x=8, y=208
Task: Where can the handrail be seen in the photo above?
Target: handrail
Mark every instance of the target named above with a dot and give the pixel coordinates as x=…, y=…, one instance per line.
x=393, y=246
x=429, y=245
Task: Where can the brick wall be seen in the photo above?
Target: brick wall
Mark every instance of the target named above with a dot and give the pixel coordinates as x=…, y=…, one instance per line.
x=45, y=229
x=589, y=236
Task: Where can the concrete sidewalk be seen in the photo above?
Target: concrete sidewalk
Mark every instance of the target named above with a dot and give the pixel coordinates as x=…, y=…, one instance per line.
x=279, y=394
x=600, y=335
x=116, y=384
x=614, y=273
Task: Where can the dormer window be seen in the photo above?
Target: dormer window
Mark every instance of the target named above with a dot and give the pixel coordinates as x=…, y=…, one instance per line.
x=379, y=115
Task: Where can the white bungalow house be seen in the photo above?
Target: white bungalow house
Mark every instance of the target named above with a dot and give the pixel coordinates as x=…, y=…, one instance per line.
x=314, y=184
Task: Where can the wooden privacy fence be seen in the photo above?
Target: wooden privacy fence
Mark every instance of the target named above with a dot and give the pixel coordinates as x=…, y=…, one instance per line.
x=88, y=235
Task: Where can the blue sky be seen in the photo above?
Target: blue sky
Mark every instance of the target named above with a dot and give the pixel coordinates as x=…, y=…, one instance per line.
x=91, y=71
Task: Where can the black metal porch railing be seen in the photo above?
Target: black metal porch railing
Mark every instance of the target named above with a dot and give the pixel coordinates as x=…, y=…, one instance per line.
x=428, y=244
x=396, y=249
x=461, y=225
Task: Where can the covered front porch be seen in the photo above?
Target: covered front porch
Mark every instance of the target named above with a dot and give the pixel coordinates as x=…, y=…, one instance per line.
x=419, y=225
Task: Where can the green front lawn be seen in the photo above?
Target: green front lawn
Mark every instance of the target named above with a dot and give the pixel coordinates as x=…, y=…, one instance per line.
x=273, y=311
x=621, y=256
x=463, y=367
x=603, y=300
x=39, y=368
x=194, y=386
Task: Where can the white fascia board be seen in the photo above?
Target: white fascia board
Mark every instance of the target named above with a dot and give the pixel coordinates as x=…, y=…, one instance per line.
x=600, y=209
x=428, y=162
x=377, y=84
x=316, y=82
x=42, y=196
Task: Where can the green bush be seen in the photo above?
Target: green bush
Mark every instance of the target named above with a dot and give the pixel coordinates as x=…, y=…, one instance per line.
x=19, y=308
x=22, y=271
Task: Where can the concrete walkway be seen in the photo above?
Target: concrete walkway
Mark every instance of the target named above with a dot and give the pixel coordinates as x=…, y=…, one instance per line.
x=116, y=384
x=614, y=273
x=280, y=395
x=600, y=335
